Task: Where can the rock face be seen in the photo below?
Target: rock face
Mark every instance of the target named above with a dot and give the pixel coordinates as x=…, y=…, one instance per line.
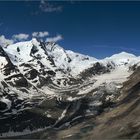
x=44, y=87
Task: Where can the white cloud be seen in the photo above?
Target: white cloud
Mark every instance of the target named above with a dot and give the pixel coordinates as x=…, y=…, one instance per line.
x=45, y=6
x=40, y=34
x=20, y=37
x=4, y=42
x=54, y=39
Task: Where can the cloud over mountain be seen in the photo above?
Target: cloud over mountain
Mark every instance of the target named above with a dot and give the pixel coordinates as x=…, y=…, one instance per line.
x=40, y=34
x=20, y=37
x=4, y=41
x=54, y=39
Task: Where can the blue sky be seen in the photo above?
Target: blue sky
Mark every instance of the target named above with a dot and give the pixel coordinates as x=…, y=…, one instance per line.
x=94, y=28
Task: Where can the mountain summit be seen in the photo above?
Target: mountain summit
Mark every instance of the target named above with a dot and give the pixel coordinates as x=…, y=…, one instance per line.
x=42, y=85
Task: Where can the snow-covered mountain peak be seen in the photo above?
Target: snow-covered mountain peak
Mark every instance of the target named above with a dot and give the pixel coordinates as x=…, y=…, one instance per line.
x=23, y=52
x=122, y=58
x=123, y=55
x=67, y=60
x=19, y=52
x=35, y=42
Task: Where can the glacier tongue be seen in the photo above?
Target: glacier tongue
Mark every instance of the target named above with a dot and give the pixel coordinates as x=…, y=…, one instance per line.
x=117, y=77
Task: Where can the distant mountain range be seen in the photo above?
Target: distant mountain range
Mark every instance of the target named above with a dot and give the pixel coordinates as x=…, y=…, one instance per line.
x=44, y=87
